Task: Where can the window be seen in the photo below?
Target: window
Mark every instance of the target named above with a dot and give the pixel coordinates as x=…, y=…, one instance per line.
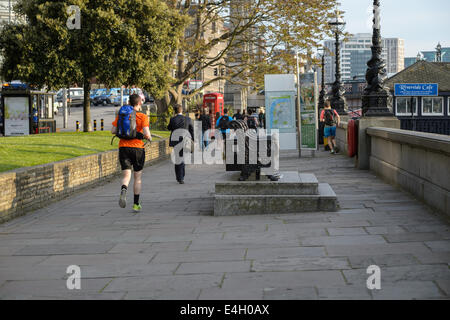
x=432, y=106
x=403, y=106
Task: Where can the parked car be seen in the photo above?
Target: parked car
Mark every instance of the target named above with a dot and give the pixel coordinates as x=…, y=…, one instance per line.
x=126, y=96
x=75, y=97
x=95, y=99
x=108, y=97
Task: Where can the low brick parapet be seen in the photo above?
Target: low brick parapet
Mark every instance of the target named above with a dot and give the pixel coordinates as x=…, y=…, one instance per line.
x=26, y=189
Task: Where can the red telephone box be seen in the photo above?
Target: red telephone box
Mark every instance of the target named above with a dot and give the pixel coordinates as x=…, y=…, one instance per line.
x=214, y=103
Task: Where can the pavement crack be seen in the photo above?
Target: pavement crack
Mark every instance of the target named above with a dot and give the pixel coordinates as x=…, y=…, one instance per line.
x=345, y=279
x=101, y=290
x=222, y=280
x=176, y=269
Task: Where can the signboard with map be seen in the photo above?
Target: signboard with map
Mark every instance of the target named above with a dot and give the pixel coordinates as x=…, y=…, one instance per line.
x=308, y=110
x=280, y=93
x=282, y=116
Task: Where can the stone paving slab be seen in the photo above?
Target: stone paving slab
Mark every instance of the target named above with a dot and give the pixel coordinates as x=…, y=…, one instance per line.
x=213, y=267
x=299, y=264
x=283, y=279
x=300, y=293
x=176, y=249
x=347, y=292
x=408, y=290
x=36, y=288
x=172, y=282
x=63, y=249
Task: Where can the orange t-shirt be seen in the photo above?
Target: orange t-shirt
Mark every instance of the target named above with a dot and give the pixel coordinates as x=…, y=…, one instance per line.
x=141, y=123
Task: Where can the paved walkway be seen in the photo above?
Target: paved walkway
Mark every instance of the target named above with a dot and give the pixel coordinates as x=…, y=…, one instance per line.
x=175, y=249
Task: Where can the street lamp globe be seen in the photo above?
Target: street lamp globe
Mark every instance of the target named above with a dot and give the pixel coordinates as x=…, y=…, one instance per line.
x=337, y=24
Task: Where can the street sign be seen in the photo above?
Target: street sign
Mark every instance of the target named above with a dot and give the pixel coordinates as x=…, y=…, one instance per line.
x=416, y=89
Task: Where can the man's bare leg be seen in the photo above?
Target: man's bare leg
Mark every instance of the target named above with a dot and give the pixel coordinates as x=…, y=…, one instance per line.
x=137, y=182
x=334, y=144
x=330, y=143
x=126, y=176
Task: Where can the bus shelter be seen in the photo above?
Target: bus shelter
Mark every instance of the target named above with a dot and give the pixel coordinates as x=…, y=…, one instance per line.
x=26, y=111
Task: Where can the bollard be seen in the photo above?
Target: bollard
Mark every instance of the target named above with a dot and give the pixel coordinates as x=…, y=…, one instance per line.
x=95, y=125
x=101, y=124
x=78, y=125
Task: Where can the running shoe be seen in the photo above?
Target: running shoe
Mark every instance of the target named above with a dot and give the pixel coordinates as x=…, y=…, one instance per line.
x=123, y=198
x=137, y=208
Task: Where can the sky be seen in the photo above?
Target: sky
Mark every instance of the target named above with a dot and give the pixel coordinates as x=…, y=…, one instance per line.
x=421, y=23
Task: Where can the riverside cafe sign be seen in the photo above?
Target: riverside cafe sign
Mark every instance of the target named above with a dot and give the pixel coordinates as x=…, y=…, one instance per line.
x=416, y=89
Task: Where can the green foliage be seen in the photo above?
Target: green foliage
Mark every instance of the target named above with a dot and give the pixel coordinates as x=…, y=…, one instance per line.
x=251, y=38
x=194, y=103
x=120, y=42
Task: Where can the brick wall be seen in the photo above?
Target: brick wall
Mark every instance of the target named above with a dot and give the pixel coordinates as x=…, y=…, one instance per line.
x=26, y=189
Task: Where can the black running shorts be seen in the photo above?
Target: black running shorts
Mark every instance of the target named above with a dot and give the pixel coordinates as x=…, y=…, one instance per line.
x=132, y=157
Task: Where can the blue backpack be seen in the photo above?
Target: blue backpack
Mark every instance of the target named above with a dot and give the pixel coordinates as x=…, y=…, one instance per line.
x=126, y=123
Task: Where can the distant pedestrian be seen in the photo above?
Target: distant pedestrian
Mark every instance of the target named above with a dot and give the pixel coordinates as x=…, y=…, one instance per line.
x=330, y=118
x=237, y=115
x=180, y=122
x=222, y=123
x=206, y=125
x=262, y=119
x=131, y=146
x=253, y=121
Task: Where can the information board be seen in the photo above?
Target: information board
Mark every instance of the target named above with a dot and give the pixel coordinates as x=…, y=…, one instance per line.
x=308, y=111
x=280, y=96
x=17, y=116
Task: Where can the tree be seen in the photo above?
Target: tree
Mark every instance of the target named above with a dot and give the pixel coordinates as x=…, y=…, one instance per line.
x=257, y=36
x=119, y=42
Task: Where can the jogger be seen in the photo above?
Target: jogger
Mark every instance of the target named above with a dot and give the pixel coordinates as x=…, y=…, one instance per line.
x=131, y=126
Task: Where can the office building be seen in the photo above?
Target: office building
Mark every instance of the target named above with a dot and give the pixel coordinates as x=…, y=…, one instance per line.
x=356, y=52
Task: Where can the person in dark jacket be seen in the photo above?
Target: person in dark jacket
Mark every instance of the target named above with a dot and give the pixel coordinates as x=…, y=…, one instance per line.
x=180, y=122
x=206, y=125
x=237, y=115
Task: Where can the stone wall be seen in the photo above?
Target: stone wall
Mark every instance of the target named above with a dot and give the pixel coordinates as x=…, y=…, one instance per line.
x=416, y=161
x=341, y=136
x=30, y=188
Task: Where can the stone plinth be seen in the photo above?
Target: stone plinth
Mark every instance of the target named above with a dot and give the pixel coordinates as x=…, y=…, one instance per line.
x=293, y=193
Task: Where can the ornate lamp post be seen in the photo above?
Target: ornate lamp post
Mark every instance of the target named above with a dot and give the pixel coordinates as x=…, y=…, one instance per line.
x=376, y=99
x=337, y=92
x=322, y=95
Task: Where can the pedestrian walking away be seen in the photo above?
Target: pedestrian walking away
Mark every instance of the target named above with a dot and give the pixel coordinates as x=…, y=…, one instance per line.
x=237, y=115
x=222, y=123
x=131, y=126
x=262, y=119
x=253, y=121
x=330, y=117
x=206, y=125
x=180, y=122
